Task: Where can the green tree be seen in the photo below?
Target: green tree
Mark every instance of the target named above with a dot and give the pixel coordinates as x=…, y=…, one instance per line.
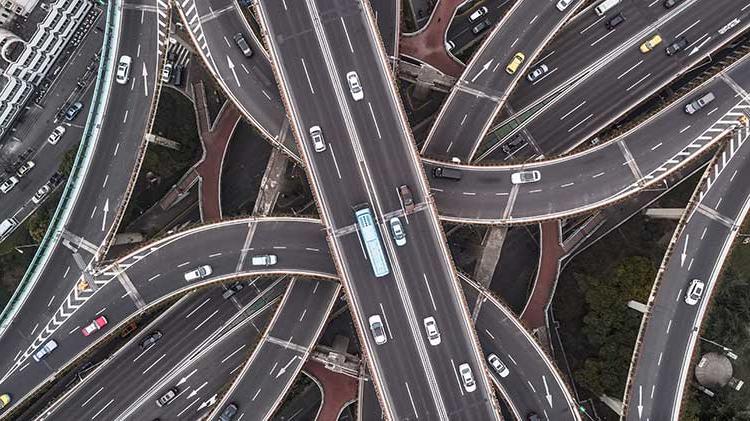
x=66, y=165
x=38, y=222
x=609, y=326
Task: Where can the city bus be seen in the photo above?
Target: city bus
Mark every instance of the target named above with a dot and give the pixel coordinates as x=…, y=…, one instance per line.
x=370, y=237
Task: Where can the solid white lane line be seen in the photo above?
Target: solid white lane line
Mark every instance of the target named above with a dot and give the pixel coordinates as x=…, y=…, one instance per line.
x=628, y=71
x=198, y=308
x=572, y=111
x=207, y=319
x=92, y=396
x=230, y=355
x=309, y=82
x=347, y=34
x=335, y=162
x=413, y=407
x=637, y=82
x=533, y=389
x=429, y=290
x=601, y=38
x=458, y=380
x=154, y=363
x=103, y=408
x=592, y=25
x=385, y=321
x=687, y=29
x=372, y=113
x=580, y=122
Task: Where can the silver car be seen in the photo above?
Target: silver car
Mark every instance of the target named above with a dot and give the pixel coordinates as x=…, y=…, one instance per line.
x=399, y=235
x=523, y=177
x=319, y=144
x=377, y=329
x=354, y=86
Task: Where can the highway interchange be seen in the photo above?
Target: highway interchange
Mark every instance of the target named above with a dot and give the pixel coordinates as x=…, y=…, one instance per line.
x=370, y=153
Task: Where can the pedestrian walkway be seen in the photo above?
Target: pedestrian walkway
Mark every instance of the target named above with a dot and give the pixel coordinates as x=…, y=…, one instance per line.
x=546, y=277
x=428, y=44
x=214, y=139
x=338, y=389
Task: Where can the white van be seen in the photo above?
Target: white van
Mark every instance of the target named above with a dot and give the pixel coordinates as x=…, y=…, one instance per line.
x=264, y=260
x=602, y=8
x=7, y=225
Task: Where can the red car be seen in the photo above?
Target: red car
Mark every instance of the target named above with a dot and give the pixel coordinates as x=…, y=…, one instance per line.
x=95, y=325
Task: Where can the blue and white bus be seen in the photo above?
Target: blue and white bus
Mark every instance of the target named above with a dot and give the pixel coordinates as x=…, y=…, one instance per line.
x=371, y=238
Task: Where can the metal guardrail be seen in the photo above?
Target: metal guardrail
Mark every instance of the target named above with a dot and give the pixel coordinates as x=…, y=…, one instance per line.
x=78, y=174
x=695, y=200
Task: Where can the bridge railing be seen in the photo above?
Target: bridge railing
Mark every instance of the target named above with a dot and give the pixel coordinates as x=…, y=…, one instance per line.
x=80, y=168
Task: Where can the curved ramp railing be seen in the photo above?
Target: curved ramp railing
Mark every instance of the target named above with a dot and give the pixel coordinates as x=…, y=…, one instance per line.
x=80, y=169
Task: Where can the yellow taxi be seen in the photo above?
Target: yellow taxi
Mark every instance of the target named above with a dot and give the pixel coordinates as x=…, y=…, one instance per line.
x=516, y=62
x=4, y=400
x=651, y=43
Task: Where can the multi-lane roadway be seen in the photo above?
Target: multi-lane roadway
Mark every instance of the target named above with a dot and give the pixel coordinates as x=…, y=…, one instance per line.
x=369, y=155
x=701, y=244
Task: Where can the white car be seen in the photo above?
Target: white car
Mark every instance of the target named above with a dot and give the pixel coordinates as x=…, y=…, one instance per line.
x=166, y=73
x=563, y=4
x=123, y=70
x=498, y=365
x=397, y=230
x=319, y=144
x=56, y=135
x=535, y=74
x=25, y=168
x=377, y=329
x=45, y=350
x=433, y=334
x=523, y=177
x=198, y=273
x=354, y=86
x=694, y=292
x=40, y=194
x=264, y=260
x=9, y=184
x=467, y=377
x=478, y=14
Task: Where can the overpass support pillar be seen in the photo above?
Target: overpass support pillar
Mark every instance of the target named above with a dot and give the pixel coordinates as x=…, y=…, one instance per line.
x=664, y=213
x=612, y=403
x=493, y=245
x=639, y=307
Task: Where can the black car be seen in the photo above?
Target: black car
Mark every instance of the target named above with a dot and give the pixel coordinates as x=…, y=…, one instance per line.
x=481, y=27
x=151, y=339
x=614, y=21
x=239, y=39
x=228, y=413
x=671, y=3
x=679, y=44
